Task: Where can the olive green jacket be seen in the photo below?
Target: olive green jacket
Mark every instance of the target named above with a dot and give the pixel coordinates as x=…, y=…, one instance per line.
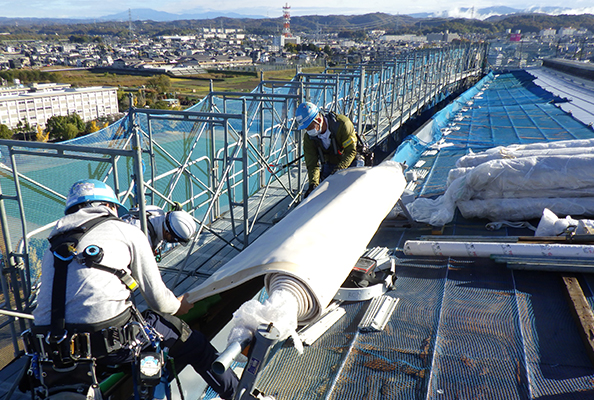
x=346, y=143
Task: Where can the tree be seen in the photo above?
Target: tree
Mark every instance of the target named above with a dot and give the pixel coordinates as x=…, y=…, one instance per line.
x=160, y=83
x=70, y=131
x=5, y=132
x=41, y=135
x=66, y=127
x=160, y=104
x=91, y=127
x=291, y=48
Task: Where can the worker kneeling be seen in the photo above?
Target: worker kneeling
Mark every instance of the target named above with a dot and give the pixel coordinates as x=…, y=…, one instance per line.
x=164, y=228
x=85, y=321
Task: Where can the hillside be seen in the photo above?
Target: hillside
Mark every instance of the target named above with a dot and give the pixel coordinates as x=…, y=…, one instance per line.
x=345, y=24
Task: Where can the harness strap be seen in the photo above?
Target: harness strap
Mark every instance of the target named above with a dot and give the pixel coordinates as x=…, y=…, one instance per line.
x=63, y=246
x=333, y=127
x=123, y=275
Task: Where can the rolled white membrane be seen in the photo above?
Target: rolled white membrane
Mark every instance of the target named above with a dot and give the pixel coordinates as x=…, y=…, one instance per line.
x=311, y=251
x=486, y=190
x=487, y=249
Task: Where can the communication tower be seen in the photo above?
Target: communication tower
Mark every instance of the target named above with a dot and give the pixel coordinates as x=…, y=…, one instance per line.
x=287, y=20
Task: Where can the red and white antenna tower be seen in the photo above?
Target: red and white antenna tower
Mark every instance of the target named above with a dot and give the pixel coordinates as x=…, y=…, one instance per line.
x=287, y=20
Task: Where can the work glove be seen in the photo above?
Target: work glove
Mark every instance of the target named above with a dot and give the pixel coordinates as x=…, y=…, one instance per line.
x=176, y=206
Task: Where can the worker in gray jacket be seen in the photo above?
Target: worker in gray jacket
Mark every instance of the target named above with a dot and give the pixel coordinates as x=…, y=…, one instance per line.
x=94, y=294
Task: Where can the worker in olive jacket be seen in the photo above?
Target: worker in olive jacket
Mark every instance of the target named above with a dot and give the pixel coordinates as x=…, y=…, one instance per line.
x=330, y=144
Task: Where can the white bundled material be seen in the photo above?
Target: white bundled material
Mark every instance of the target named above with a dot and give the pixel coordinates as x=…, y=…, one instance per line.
x=551, y=225
x=545, y=145
x=525, y=208
x=280, y=309
x=311, y=251
x=472, y=159
x=549, y=176
x=505, y=189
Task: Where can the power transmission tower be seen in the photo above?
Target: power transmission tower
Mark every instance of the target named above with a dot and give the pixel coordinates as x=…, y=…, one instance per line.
x=130, y=29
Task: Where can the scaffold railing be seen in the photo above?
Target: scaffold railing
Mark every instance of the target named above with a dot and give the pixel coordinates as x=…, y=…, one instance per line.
x=211, y=158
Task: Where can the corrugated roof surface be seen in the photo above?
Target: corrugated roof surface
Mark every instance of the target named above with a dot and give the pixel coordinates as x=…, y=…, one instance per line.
x=464, y=328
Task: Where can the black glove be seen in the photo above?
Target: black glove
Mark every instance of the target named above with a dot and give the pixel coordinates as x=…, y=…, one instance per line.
x=309, y=190
x=176, y=206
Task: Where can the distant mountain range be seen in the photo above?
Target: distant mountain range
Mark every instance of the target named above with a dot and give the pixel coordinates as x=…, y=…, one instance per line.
x=156, y=23
x=496, y=11
x=147, y=14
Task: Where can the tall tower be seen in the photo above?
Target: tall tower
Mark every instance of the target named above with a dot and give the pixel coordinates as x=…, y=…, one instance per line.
x=287, y=20
x=130, y=23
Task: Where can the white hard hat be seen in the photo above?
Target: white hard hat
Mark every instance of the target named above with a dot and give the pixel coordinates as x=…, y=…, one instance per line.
x=181, y=225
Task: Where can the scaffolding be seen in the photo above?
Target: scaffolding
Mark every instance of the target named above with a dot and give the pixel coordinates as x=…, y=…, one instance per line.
x=220, y=159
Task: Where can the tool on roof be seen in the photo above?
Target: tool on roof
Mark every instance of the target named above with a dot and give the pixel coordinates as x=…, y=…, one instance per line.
x=372, y=276
x=264, y=339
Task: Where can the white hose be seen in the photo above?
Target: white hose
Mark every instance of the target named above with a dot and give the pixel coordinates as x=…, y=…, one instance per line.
x=308, y=306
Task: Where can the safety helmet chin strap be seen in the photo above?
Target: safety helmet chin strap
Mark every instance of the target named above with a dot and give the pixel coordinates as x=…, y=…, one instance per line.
x=170, y=229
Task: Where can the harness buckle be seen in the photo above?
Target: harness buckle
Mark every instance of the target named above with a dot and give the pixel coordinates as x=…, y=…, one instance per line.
x=114, y=338
x=59, y=349
x=80, y=346
x=52, y=339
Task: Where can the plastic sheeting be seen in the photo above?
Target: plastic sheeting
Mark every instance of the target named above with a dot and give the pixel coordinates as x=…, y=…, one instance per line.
x=551, y=225
x=311, y=251
x=472, y=160
x=411, y=148
x=506, y=189
x=525, y=209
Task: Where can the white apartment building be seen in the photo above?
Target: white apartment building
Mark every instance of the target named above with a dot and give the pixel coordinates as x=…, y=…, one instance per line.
x=41, y=102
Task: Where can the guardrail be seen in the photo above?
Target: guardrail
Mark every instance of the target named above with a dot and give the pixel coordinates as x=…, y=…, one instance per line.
x=211, y=158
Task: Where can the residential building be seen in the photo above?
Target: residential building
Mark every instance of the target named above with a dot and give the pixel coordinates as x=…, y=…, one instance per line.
x=41, y=102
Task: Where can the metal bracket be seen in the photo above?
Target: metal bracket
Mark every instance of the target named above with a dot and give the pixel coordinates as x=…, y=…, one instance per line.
x=378, y=314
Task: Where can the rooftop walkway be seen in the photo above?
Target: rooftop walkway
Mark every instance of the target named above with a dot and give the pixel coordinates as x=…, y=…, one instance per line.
x=465, y=328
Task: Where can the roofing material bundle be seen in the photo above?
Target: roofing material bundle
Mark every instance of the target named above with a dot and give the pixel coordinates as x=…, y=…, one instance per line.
x=488, y=249
x=515, y=183
x=311, y=251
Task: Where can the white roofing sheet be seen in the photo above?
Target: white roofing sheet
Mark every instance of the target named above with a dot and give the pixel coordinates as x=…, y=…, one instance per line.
x=579, y=92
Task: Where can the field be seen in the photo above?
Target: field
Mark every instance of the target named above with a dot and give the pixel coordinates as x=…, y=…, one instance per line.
x=196, y=87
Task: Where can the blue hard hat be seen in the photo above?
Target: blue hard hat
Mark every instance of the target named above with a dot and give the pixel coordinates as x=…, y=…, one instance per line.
x=306, y=112
x=87, y=190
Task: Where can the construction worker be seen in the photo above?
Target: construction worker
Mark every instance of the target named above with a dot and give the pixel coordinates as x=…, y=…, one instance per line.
x=330, y=144
x=175, y=226
x=88, y=274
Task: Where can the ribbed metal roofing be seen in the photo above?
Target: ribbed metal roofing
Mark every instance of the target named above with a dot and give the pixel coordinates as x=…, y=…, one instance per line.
x=464, y=328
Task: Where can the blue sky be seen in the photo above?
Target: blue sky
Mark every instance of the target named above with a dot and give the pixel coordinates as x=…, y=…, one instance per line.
x=99, y=8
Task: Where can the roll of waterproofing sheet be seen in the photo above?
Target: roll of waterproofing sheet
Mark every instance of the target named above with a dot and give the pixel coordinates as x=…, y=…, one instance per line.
x=486, y=249
x=311, y=251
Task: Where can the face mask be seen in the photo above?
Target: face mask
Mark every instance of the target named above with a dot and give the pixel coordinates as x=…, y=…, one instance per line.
x=314, y=132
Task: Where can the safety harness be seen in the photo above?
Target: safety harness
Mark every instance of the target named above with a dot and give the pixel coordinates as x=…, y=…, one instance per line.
x=66, y=351
x=64, y=248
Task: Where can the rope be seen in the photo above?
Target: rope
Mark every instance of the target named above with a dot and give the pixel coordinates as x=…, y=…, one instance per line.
x=493, y=226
